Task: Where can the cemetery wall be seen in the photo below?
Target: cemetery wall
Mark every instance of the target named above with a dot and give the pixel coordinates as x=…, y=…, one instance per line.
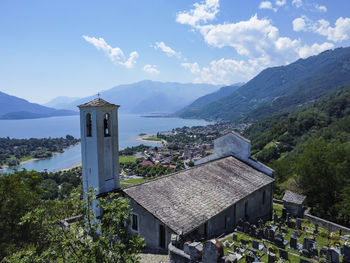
x=177, y=255
x=325, y=223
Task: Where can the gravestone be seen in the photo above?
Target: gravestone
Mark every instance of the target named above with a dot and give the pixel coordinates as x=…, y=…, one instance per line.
x=333, y=255
x=293, y=243
x=260, y=234
x=287, y=217
x=249, y=258
x=291, y=224
x=298, y=223
x=234, y=237
x=271, y=257
x=212, y=251
x=252, y=230
x=195, y=249
x=284, y=213
x=283, y=254
x=346, y=254
x=266, y=233
x=246, y=227
x=244, y=242
x=307, y=243
x=316, y=229
x=275, y=217
x=279, y=240
x=256, y=245
x=240, y=225
x=271, y=235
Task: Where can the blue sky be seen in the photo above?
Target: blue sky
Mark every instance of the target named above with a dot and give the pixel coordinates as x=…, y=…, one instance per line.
x=80, y=47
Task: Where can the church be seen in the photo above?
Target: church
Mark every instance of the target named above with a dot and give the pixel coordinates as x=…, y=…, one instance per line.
x=201, y=202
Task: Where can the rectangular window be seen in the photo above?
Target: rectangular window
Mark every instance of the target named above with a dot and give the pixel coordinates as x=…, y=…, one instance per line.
x=263, y=198
x=134, y=222
x=161, y=236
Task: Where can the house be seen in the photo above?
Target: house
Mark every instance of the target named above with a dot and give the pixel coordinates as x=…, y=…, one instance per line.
x=293, y=202
x=201, y=202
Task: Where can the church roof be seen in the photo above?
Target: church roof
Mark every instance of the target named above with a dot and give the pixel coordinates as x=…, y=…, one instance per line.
x=292, y=197
x=186, y=199
x=98, y=102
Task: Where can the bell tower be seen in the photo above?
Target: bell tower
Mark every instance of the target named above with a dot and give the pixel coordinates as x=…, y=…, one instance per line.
x=99, y=145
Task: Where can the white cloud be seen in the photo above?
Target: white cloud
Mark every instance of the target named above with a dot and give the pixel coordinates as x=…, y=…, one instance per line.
x=151, y=69
x=338, y=33
x=299, y=24
x=258, y=45
x=281, y=2
x=223, y=71
x=297, y=3
x=249, y=38
x=167, y=50
x=306, y=51
x=267, y=5
x=320, y=8
x=115, y=54
x=202, y=12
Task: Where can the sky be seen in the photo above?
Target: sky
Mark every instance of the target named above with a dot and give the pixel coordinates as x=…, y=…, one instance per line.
x=78, y=48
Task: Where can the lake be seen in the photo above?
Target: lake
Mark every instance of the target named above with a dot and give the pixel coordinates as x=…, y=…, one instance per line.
x=130, y=126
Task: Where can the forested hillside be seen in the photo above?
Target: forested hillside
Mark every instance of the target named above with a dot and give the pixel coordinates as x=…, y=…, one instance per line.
x=281, y=88
x=207, y=99
x=309, y=148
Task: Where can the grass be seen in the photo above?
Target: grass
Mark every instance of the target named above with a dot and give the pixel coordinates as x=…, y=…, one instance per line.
x=321, y=239
x=127, y=159
x=152, y=138
x=125, y=183
x=26, y=158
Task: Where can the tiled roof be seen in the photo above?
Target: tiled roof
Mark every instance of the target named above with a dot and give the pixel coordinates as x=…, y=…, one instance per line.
x=97, y=103
x=292, y=197
x=186, y=199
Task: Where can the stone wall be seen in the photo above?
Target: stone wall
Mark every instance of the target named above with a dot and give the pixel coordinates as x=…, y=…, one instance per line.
x=149, y=227
x=177, y=255
x=331, y=226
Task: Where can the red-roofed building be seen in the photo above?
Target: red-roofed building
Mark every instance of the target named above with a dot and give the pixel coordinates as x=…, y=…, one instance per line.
x=147, y=163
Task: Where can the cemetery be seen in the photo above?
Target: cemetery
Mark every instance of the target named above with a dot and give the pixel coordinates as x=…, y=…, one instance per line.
x=285, y=238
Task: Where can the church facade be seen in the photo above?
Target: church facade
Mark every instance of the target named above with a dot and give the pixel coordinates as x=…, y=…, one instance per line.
x=201, y=202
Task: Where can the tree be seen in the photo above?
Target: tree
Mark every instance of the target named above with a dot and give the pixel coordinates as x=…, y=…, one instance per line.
x=20, y=193
x=88, y=239
x=322, y=170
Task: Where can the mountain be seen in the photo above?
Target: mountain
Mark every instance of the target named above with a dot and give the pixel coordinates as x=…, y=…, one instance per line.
x=60, y=102
x=207, y=99
x=12, y=107
x=281, y=87
x=309, y=150
x=151, y=96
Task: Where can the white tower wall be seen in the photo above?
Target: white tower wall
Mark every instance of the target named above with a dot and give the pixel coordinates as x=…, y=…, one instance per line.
x=100, y=158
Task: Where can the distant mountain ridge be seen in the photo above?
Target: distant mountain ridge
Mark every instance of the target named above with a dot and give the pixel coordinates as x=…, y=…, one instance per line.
x=60, y=102
x=281, y=87
x=207, y=99
x=12, y=107
x=150, y=96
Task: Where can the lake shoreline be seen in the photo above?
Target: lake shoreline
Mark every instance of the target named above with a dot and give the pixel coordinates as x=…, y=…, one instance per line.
x=143, y=138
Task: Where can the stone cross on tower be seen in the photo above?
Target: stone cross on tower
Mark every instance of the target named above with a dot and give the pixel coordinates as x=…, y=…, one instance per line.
x=99, y=145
